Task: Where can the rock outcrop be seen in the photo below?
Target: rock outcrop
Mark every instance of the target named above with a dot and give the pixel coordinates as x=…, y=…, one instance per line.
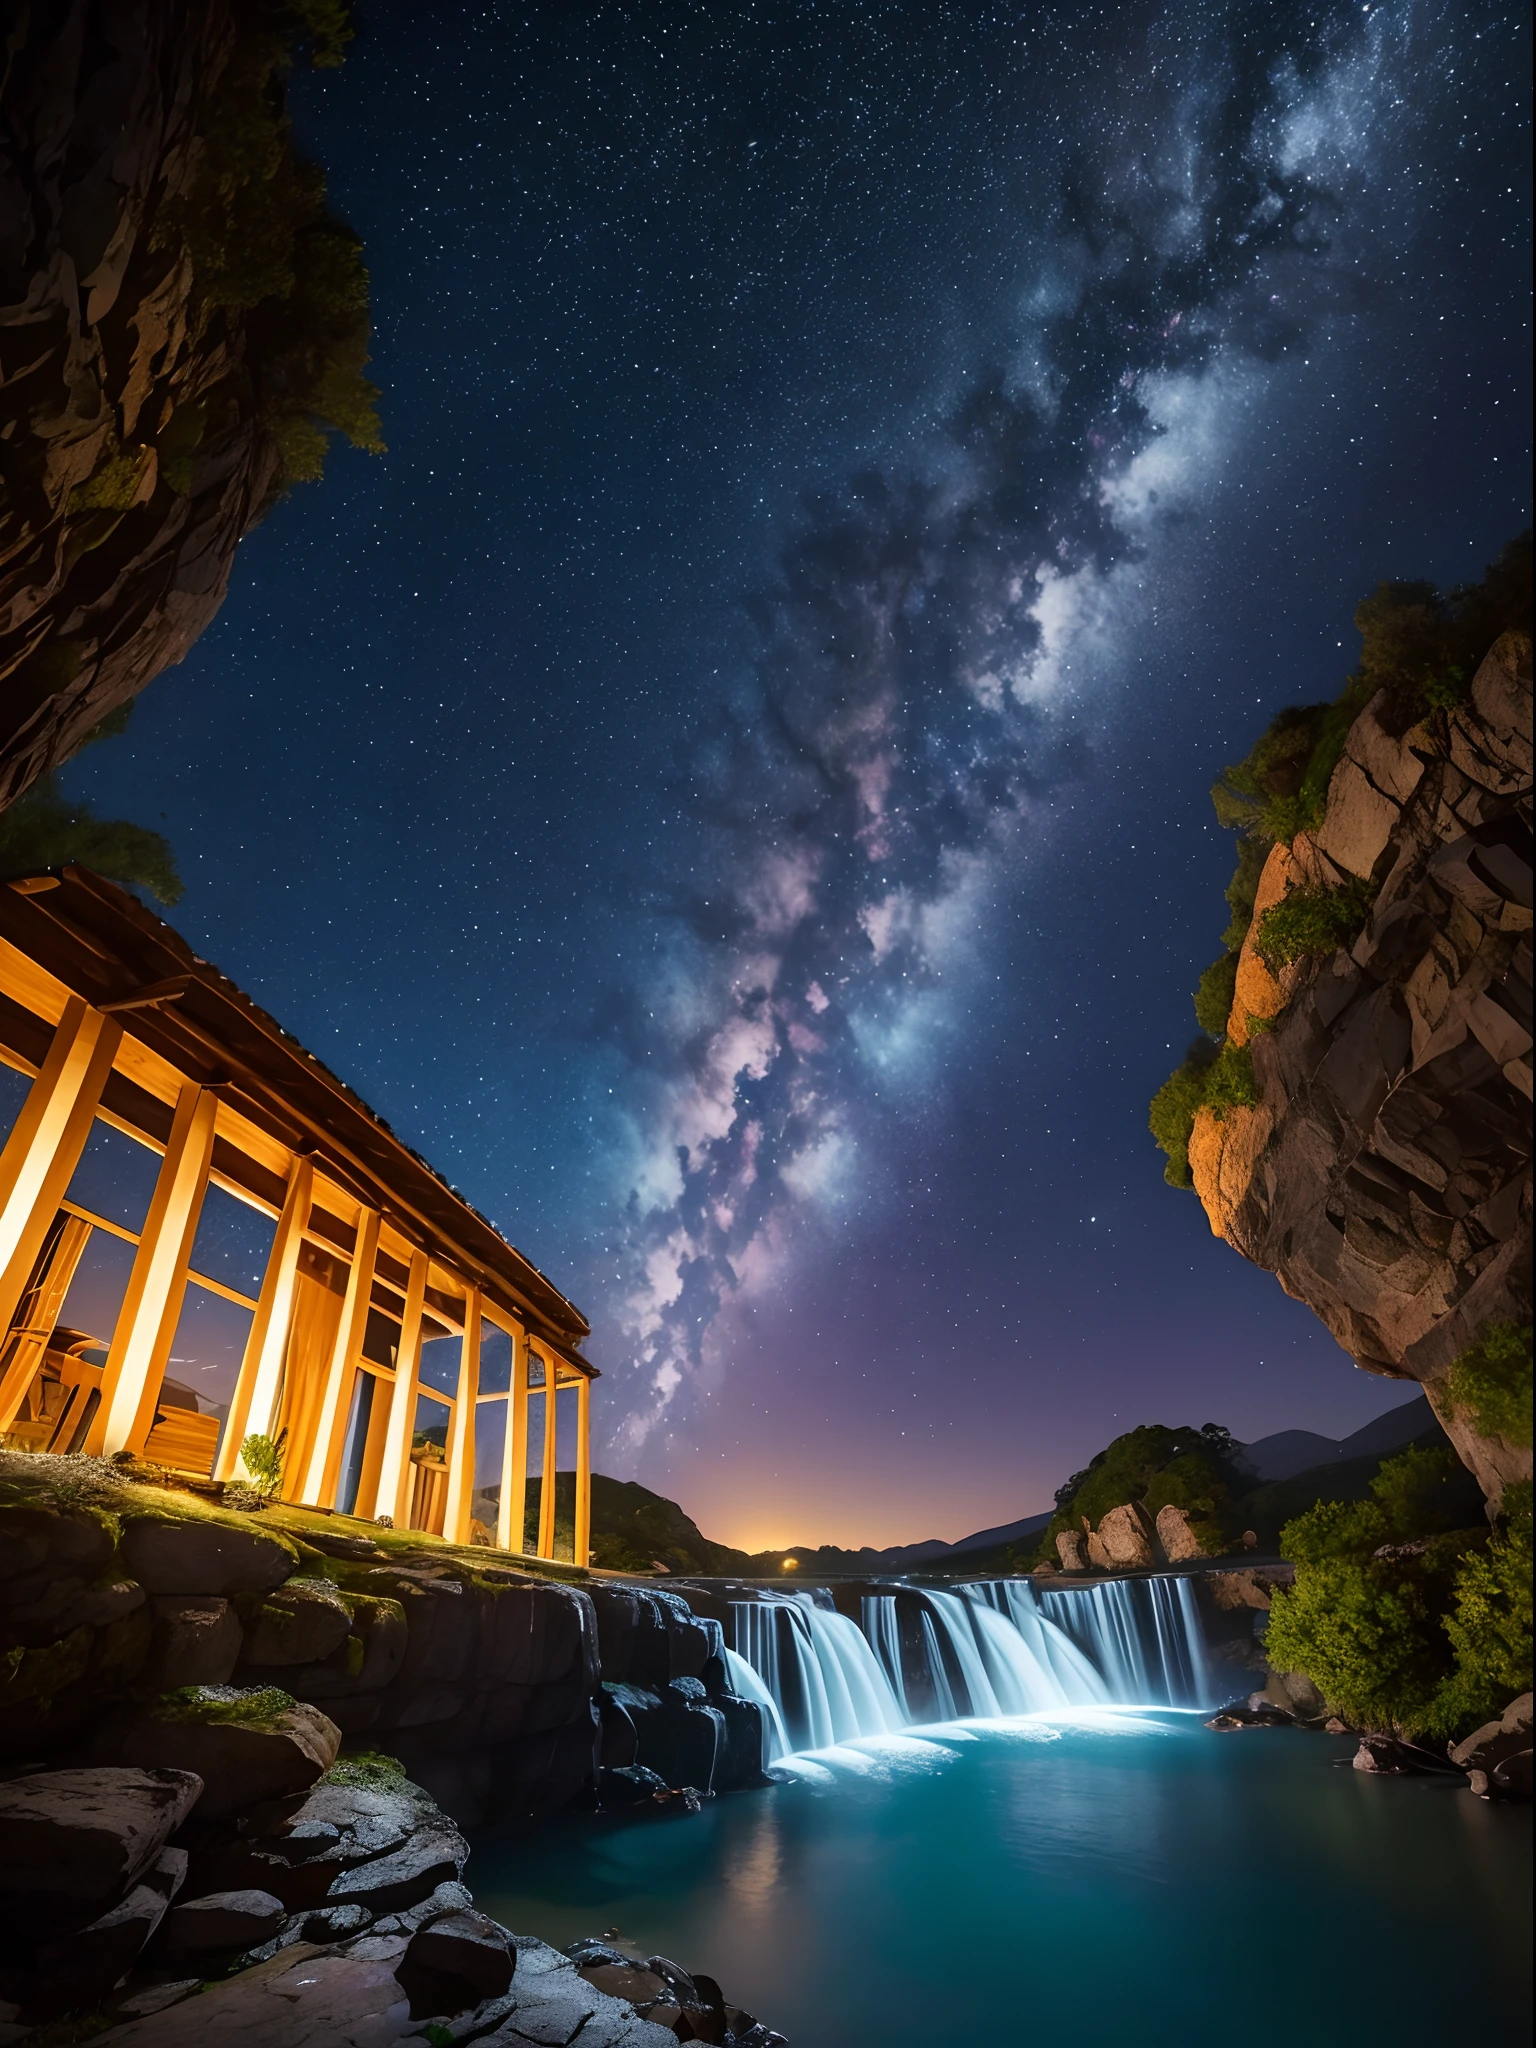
x=132, y=454
x=1385, y=1175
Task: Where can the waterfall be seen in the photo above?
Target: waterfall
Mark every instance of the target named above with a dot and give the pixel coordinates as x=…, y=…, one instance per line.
x=922, y=1654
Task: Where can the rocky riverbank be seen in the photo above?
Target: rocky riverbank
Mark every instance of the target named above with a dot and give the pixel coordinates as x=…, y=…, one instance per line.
x=247, y=1741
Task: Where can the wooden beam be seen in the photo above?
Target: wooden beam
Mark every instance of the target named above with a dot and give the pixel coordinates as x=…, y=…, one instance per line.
x=146, y=1322
x=583, y=1550
x=512, y=1508
x=547, y=1483
x=44, y=1149
x=461, y=1429
x=253, y=1405
x=394, y=1487
x=342, y=1362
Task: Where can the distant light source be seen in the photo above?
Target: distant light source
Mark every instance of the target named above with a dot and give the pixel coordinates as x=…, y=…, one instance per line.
x=790, y=1564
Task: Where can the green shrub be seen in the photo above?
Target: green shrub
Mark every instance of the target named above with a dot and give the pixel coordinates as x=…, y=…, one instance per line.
x=1492, y=1382
x=1490, y=1626
x=263, y=1457
x=1400, y=1621
x=1171, y=1118
x=1213, y=996
x=1312, y=921
x=1230, y=1082
x=44, y=829
x=1155, y=1465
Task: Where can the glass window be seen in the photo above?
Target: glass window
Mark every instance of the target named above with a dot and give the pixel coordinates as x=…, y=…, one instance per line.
x=14, y=1088
x=381, y=1338
x=211, y=1336
x=490, y=1444
x=96, y=1293
x=363, y=1393
x=440, y=1357
x=431, y=1422
x=115, y=1178
x=495, y=1359
x=233, y=1242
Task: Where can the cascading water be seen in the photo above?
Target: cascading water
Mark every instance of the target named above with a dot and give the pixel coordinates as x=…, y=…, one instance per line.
x=919, y=1655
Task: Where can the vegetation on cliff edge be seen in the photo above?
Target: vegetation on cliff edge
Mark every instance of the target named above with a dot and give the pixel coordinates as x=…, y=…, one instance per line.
x=1420, y=645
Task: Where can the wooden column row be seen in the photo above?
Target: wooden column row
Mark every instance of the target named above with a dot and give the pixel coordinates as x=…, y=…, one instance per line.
x=36, y=1167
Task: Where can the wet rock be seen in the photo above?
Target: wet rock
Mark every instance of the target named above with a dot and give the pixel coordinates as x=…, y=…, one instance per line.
x=456, y=1962
x=241, y=1761
x=629, y=1785
x=302, y=1998
x=1497, y=1756
x=302, y=1622
x=620, y=1743
x=87, y=1834
x=221, y=1921
x=683, y=1736
x=432, y=1855
x=78, y=1968
x=1256, y=1713
x=197, y=1641
x=1386, y=1757
x=205, y=1557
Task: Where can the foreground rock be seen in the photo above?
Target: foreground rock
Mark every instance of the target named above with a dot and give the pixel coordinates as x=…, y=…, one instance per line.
x=1385, y=1175
x=87, y=1834
x=1497, y=1756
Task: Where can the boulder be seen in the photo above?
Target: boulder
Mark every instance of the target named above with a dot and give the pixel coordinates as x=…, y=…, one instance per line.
x=1070, y=1548
x=88, y=1834
x=627, y=1785
x=205, y=1557
x=1497, y=1756
x=433, y=1854
x=197, y=1640
x=245, y=1746
x=454, y=1963
x=302, y=1622
x=78, y=1968
x=739, y=1758
x=304, y=1997
x=619, y=1741
x=682, y=1737
x=1386, y=1757
x=1123, y=1540
x=222, y=1921
x=1178, y=1539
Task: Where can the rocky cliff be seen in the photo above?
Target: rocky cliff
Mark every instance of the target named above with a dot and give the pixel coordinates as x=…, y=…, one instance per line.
x=1384, y=1173
x=159, y=375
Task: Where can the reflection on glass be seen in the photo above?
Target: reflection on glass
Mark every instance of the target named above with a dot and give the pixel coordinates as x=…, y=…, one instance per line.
x=431, y=1421
x=440, y=1362
x=116, y=1177
x=14, y=1088
x=490, y=1440
x=356, y=1442
x=381, y=1338
x=495, y=1359
x=211, y=1335
x=233, y=1242
x=96, y=1292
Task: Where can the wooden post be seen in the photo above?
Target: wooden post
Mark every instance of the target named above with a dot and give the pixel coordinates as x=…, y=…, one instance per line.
x=461, y=1429
x=513, y=1506
x=44, y=1149
x=547, y=1487
x=394, y=1493
x=37, y=1314
x=146, y=1323
x=253, y=1405
x=583, y=1471
x=332, y=1419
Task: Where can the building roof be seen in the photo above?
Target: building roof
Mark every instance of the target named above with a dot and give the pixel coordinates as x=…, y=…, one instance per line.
x=104, y=946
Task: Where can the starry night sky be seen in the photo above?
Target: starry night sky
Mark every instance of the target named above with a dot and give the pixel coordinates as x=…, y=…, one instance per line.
x=730, y=783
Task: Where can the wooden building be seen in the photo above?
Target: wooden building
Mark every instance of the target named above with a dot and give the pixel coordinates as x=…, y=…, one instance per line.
x=205, y=1236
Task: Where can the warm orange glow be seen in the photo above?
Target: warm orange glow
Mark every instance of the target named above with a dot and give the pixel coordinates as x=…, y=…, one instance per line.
x=790, y=1564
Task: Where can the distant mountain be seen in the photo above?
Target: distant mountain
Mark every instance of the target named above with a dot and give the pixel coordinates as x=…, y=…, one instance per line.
x=1289, y=1451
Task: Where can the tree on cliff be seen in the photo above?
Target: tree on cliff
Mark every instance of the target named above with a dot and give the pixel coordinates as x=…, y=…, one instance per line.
x=182, y=325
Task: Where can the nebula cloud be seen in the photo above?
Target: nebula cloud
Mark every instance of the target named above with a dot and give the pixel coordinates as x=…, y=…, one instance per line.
x=918, y=644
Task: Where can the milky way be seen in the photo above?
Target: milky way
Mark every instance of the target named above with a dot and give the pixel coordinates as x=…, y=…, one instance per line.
x=730, y=782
